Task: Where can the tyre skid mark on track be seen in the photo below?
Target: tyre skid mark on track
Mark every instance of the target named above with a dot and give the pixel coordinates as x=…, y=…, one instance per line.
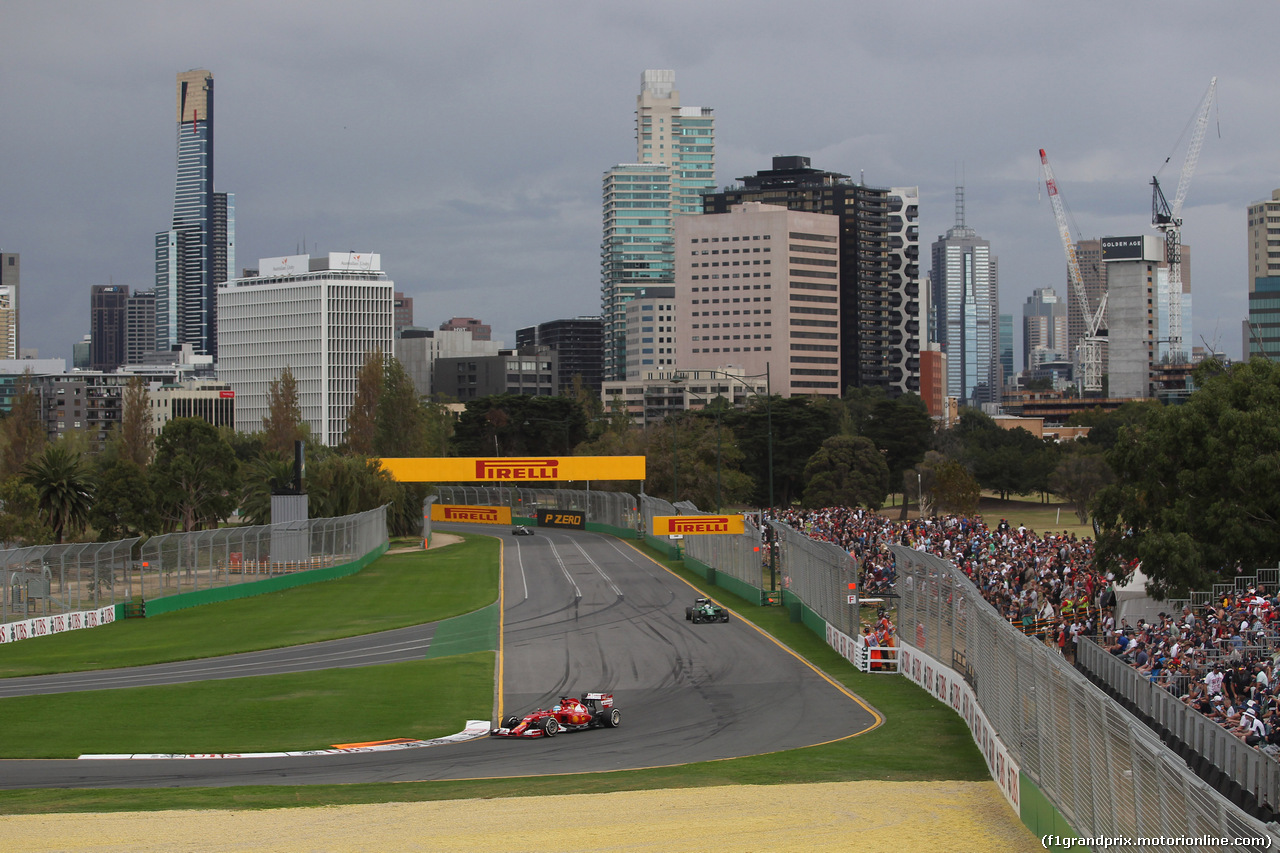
x=877, y=718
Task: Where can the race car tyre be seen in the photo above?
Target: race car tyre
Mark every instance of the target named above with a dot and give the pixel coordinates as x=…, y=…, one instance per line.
x=613, y=719
x=510, y=722
x=724, y=617
x=550, y=726
x=697, y=618
x=688, y=614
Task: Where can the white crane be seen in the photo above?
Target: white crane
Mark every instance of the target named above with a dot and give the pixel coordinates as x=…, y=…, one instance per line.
x=1168, y=220
x=1089, y=353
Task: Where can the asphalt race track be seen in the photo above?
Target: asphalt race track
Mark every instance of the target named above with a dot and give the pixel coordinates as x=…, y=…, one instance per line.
x=582, y=612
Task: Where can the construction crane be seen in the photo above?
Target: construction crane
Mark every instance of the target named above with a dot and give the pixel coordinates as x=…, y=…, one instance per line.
x=1089, y=352
x=1168, y=220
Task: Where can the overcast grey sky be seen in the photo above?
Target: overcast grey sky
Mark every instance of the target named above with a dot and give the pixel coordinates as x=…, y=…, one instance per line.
x=465, y=142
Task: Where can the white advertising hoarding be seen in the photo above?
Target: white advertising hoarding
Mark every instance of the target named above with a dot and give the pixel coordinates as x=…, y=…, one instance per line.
x=354, y=261
x=288, y=265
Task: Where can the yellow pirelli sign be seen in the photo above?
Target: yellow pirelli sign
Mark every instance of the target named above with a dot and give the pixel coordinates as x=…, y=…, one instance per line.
x=694, y=525
x=471, y=514
x=513, y=469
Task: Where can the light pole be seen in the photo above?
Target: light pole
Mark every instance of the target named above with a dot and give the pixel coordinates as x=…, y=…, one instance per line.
x=705, y=403
x=768, y=410
x=768, y=406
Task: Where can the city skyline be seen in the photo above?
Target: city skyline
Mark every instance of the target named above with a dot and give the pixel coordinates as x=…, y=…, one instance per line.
x=437, y=169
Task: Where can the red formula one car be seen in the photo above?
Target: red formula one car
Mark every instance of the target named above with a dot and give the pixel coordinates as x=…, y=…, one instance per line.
x=593, y=710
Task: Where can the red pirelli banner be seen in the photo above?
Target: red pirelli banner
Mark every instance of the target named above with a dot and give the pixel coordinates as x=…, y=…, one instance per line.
x=472, y=514
x=513, y=469
x=693, y=525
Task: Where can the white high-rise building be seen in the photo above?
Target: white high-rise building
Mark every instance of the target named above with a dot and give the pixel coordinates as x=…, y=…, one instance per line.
x=675, y=165
x=318, y=317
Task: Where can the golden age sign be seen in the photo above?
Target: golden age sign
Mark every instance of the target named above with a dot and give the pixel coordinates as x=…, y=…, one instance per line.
x=694, y=525
x=513, y=469
x=472, y=514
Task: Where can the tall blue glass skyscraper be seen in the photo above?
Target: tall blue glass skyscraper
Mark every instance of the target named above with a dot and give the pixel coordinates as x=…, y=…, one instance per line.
x=966, y=299
x=197, y=252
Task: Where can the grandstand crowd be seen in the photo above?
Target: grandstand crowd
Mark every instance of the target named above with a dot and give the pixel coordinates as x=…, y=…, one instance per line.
x=1219, y=660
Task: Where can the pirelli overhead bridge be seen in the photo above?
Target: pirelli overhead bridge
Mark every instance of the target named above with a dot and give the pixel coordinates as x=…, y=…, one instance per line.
x=510, y=469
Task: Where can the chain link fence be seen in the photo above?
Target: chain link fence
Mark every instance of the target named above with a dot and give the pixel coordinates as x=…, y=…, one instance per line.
x=177, y=563
x=819, y=574
x=1101, y=767
x=49, y=580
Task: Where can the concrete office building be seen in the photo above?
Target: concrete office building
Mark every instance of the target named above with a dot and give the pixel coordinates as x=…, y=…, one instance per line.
x=417, y=350
x=531, y=372
x=1262, y=329
x=758, y=287
x=479, y=331
x=578, y=343
x=403, y=307
x=197, y=252
x=318, y=317
x=674, y=166
x=1044, y=328
x=651, y=331
x=652, y=396
x=1133, y=270
x=10, y=270
x=879, y=281
x=966, y=299
x=139, y=326
x=210, y=401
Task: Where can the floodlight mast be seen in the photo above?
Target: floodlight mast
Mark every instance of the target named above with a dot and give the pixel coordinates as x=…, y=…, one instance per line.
x=1167, y=219
x=1090, y=347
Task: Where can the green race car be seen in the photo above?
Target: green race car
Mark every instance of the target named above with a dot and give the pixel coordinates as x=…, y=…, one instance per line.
x=704, y=610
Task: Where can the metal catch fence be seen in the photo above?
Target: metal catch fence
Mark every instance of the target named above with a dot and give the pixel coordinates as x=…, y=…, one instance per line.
x=186, y=562
x=1101, y=767
x=48, y=580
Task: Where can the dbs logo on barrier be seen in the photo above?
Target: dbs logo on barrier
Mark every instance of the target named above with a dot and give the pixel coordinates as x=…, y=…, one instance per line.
x=471, y=514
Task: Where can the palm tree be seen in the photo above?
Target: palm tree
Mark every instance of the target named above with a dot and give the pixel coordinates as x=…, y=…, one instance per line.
x=64, y=488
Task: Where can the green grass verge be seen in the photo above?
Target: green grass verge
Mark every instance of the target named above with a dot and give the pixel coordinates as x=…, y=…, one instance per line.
x=395, y=591
x=921, y=740
x=304, y=710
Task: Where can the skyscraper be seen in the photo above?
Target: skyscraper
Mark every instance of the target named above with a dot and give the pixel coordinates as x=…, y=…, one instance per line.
x=10, y=266
x=1263, y=326
x=196, y=252
x=675, y=165
x=878, y=278
x=106, y=326
x=967, y=301
x=1044, y=328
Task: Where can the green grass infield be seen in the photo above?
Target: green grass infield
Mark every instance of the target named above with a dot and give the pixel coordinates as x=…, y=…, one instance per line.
x=395, y=591
x=921, y=739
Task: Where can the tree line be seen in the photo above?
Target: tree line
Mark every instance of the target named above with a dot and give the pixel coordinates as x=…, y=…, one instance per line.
x=1186, y=491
